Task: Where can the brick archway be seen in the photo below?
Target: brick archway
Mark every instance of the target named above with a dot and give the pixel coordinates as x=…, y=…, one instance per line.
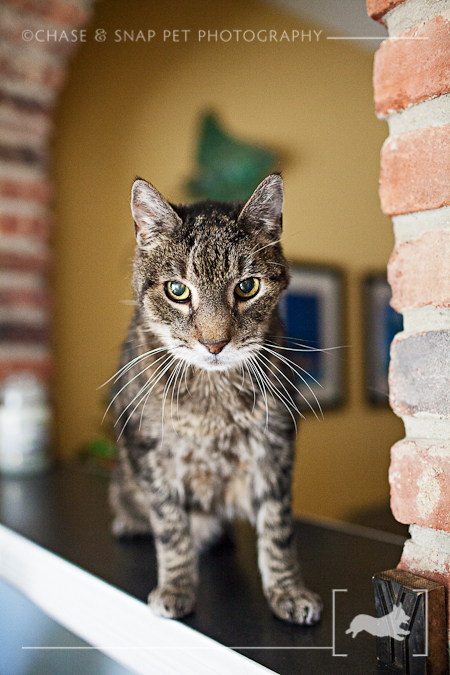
x=412, y=91
x=32, y=71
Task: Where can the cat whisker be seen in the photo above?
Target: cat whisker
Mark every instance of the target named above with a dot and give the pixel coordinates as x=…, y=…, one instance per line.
x=144, y=398
x=130, y=365
x=151, y=382
x=185, y=380
x=262, y=389
x=324, y=350
x=186, y=365
x=178, y=370
x=273, y=390
x=279, y=336
x=305, y=348
x=253, y=387
x=134, y=344
x=272, y=243
x=269, y=362
x=165, y=394
x=151, y=330
x=265, y=383
x=146, y=384
x=268, y=365
x=294, y=367
x=129, y=382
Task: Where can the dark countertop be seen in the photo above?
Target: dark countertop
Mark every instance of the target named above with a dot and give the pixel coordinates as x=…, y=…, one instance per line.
x=66, y=511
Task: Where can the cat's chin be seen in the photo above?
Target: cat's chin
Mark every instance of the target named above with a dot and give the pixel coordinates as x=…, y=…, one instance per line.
x=211, y=365
x=209, y=362
x=217, y=366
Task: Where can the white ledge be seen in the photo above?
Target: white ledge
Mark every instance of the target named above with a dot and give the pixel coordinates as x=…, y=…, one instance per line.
x=112, y=621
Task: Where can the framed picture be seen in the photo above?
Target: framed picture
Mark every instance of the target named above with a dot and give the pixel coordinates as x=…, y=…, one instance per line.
x=312, y=313
x=381, y=323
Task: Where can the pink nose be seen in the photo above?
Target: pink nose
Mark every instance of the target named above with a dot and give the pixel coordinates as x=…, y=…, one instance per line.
x=215, y=347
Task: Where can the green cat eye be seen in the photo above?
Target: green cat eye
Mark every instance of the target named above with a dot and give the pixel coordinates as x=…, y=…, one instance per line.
x=248, y=288
x=177, y=291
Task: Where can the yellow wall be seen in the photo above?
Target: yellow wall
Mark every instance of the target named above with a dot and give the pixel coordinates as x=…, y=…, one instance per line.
x=132, y=108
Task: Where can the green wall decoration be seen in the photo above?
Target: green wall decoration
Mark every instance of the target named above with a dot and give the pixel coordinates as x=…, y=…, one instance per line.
x=228, y=169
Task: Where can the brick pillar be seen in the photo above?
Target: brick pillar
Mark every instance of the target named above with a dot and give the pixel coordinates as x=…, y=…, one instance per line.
x=31, y=75
x=412, y=91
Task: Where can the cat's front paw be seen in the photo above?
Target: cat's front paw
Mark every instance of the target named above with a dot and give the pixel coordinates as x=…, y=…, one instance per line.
x=296, y=605
x=126, y=528
x=171, y=602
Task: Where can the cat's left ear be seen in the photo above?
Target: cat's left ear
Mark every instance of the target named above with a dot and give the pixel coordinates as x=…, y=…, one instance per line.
x=153, y=216
x=265, y=206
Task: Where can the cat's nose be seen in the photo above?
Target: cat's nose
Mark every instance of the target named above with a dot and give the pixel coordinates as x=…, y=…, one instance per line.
x=214, y=347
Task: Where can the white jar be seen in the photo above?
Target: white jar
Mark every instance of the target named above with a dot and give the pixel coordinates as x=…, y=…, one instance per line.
x=24, y=425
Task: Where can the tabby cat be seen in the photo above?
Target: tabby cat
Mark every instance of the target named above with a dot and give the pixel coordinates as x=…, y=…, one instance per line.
x=203, y=401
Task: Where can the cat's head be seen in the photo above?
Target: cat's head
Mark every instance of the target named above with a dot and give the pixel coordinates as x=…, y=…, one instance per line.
x=399, y=613
x=207, y=277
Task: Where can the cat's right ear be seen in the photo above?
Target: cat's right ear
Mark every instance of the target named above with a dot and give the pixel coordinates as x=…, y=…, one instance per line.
x=153, y=216
x=265, y=206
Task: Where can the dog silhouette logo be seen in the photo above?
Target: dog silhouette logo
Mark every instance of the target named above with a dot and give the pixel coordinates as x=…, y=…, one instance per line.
x=387, y=625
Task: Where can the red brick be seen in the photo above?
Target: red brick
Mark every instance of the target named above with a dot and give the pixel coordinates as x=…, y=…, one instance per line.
x=16, y=115
x=21, y=137
x=13, y=297
x=33, y=226
x=419, y=271
x=420, y=484
x=36, y=126
x=24, y=333
x=12, y=36
x=34, y=72
x=60, y=12
x=419, y=374
x=25, y=104
x=378, y=8
x=29, y=263
x=37, y=191
x=411, y=71
x=24, y=155
x=415, y=171
x=433, y=565
x=40, y=367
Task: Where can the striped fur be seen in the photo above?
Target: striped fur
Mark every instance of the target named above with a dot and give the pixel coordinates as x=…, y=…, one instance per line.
x=203, y=437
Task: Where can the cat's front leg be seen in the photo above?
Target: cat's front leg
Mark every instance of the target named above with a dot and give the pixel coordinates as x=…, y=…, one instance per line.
x=177, y=558
x=283, y=586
